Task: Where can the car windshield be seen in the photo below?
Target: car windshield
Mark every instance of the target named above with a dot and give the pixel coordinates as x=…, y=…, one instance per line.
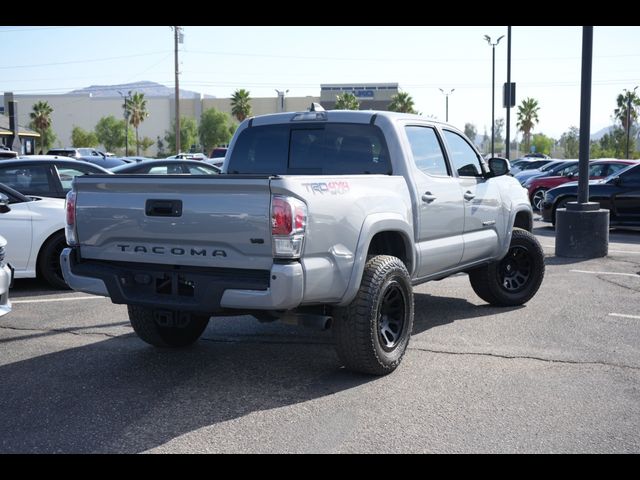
x=619, y=172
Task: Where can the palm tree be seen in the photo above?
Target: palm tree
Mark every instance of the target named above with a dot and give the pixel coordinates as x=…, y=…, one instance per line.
x=402, y=102
x=241, y=104
x=41, y=119
x=136, y=108
x=347, y=101
x=527, y=119
x=624, y=100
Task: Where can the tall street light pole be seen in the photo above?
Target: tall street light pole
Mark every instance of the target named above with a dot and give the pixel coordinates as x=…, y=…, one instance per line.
x=493, y=89
x=178, y=38
x=446, y=96
x=508, y=99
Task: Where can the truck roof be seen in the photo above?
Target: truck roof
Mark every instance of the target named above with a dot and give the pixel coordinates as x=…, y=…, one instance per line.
x=348, y=116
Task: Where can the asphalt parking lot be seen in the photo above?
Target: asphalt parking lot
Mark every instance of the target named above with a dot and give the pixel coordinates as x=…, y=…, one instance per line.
x=561, y=374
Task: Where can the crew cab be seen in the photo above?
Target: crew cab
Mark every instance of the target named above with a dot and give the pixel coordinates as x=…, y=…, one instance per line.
x=331, y=216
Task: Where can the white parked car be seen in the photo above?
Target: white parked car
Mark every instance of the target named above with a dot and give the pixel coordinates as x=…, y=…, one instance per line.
x=34, y=230
x=5, y=273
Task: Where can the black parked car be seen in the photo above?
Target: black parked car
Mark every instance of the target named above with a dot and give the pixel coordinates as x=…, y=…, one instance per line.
x=44, y=177
x=619, y=193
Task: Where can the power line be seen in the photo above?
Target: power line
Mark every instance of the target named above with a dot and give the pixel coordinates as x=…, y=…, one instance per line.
x=9, y=30
x=104, y=59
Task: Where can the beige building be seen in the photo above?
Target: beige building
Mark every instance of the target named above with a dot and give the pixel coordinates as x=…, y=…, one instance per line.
x=84, y=110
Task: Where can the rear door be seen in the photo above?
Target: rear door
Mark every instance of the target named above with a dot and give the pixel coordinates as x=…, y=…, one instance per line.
x=626, y=202
x=440, y=216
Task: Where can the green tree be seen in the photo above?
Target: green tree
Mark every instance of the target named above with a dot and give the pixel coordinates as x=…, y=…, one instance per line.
x=527, y=119
x=188, y=134
x=145, y=143
x=136, y=108
x=215, y=128
x=347, y=101
x=613, y=144
x=83, y=138
x=41, y=122
x=542, y=143
x=570, y=142
x=241, y=104
x=402, y=102
x=110, y=133
x=471, y=131
x=623, y=111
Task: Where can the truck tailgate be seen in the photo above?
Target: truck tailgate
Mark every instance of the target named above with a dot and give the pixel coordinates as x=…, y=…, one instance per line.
x=222, y=221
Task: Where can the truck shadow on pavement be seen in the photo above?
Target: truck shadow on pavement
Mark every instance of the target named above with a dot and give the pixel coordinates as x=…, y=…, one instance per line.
x=120, y=395
x=434, y=311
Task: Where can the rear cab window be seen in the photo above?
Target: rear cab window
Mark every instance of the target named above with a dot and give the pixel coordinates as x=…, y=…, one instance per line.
x=313, y=149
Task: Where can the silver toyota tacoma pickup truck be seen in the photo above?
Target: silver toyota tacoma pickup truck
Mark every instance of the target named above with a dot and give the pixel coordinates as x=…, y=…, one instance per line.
x=317, y=216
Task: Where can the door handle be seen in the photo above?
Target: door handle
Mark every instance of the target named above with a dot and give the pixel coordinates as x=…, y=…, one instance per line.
x=428, y=197
x=468, y=195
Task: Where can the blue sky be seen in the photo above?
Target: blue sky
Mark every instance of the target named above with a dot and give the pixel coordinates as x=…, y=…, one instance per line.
x=217, y=60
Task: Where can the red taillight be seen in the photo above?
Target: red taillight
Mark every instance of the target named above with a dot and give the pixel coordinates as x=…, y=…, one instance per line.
x=71, y=208
x=281, y=216
x=288, y=226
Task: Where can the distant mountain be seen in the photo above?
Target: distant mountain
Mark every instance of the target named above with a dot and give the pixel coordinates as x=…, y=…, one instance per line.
x=150, y=89
x=601, y=133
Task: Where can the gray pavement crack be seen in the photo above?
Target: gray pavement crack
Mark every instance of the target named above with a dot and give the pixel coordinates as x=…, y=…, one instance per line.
x=72, y=331
x=525, y=357
x=614, y=282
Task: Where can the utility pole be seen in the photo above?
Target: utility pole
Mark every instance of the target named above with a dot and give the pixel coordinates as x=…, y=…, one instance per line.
x=628, y=120
x=509, y=99
x=178, y=38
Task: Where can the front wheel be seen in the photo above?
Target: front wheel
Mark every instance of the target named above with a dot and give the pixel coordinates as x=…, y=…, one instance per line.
x=373, y=331
x=516, y=278
x=160, y=331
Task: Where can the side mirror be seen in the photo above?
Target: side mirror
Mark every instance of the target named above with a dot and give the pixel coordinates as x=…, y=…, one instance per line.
x=499, y=166
x=617, y=180
x=4, y=203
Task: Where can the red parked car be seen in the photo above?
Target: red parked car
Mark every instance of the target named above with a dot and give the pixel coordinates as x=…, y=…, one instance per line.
x=597, y=169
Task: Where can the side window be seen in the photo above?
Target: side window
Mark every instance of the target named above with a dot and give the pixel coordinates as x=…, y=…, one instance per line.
x=426, y=149
x=566, y=171
x=598, y=170
x=31, y=180
x=614, y=167
x=464, y=158
x=160, y=170
x=66, y=175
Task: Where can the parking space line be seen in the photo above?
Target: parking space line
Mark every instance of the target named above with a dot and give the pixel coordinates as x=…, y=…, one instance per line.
x=623, y=315
x=607, y=273
x=66, y=299
x=610, y=250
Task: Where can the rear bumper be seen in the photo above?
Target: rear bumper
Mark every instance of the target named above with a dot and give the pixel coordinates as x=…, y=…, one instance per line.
x=6, y=277
x=186, y=288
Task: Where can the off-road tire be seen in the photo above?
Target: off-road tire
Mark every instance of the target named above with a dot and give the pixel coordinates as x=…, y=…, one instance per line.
x=516, y=278
x=373, y=331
